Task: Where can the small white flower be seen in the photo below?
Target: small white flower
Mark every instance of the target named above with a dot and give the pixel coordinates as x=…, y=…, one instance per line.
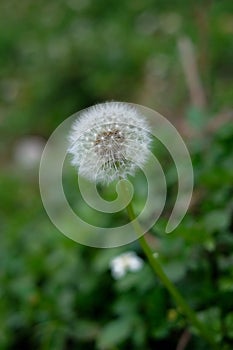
x=109, y=141
x=128, y=261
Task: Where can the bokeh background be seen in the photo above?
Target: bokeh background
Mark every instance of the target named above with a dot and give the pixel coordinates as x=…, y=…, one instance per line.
x=58, y=57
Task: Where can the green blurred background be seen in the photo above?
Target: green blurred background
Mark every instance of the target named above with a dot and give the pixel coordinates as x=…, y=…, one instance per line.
x=59, y=57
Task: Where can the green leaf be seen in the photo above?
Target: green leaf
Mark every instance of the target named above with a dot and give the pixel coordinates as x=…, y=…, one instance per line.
x=211, y=317
x=114, y=333
x=175, y=270
x=84, y=330
x=229, y=325
x=216, y=220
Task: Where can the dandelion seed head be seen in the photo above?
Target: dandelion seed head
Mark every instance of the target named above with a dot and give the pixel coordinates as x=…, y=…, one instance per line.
x=108, y=141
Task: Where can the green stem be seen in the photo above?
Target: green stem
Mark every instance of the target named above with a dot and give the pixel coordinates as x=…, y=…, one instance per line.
x=166, y=281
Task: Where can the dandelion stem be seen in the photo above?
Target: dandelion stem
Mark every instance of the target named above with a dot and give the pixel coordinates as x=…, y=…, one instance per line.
x=190, y=314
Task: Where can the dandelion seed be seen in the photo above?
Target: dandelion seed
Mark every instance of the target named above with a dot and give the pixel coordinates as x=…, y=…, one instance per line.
x=109, y=141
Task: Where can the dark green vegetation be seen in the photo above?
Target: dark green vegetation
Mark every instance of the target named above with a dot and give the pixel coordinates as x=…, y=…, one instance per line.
x=57, y=57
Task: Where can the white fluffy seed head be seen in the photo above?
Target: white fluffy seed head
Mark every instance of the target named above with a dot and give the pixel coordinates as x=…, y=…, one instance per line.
x=109, y=141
